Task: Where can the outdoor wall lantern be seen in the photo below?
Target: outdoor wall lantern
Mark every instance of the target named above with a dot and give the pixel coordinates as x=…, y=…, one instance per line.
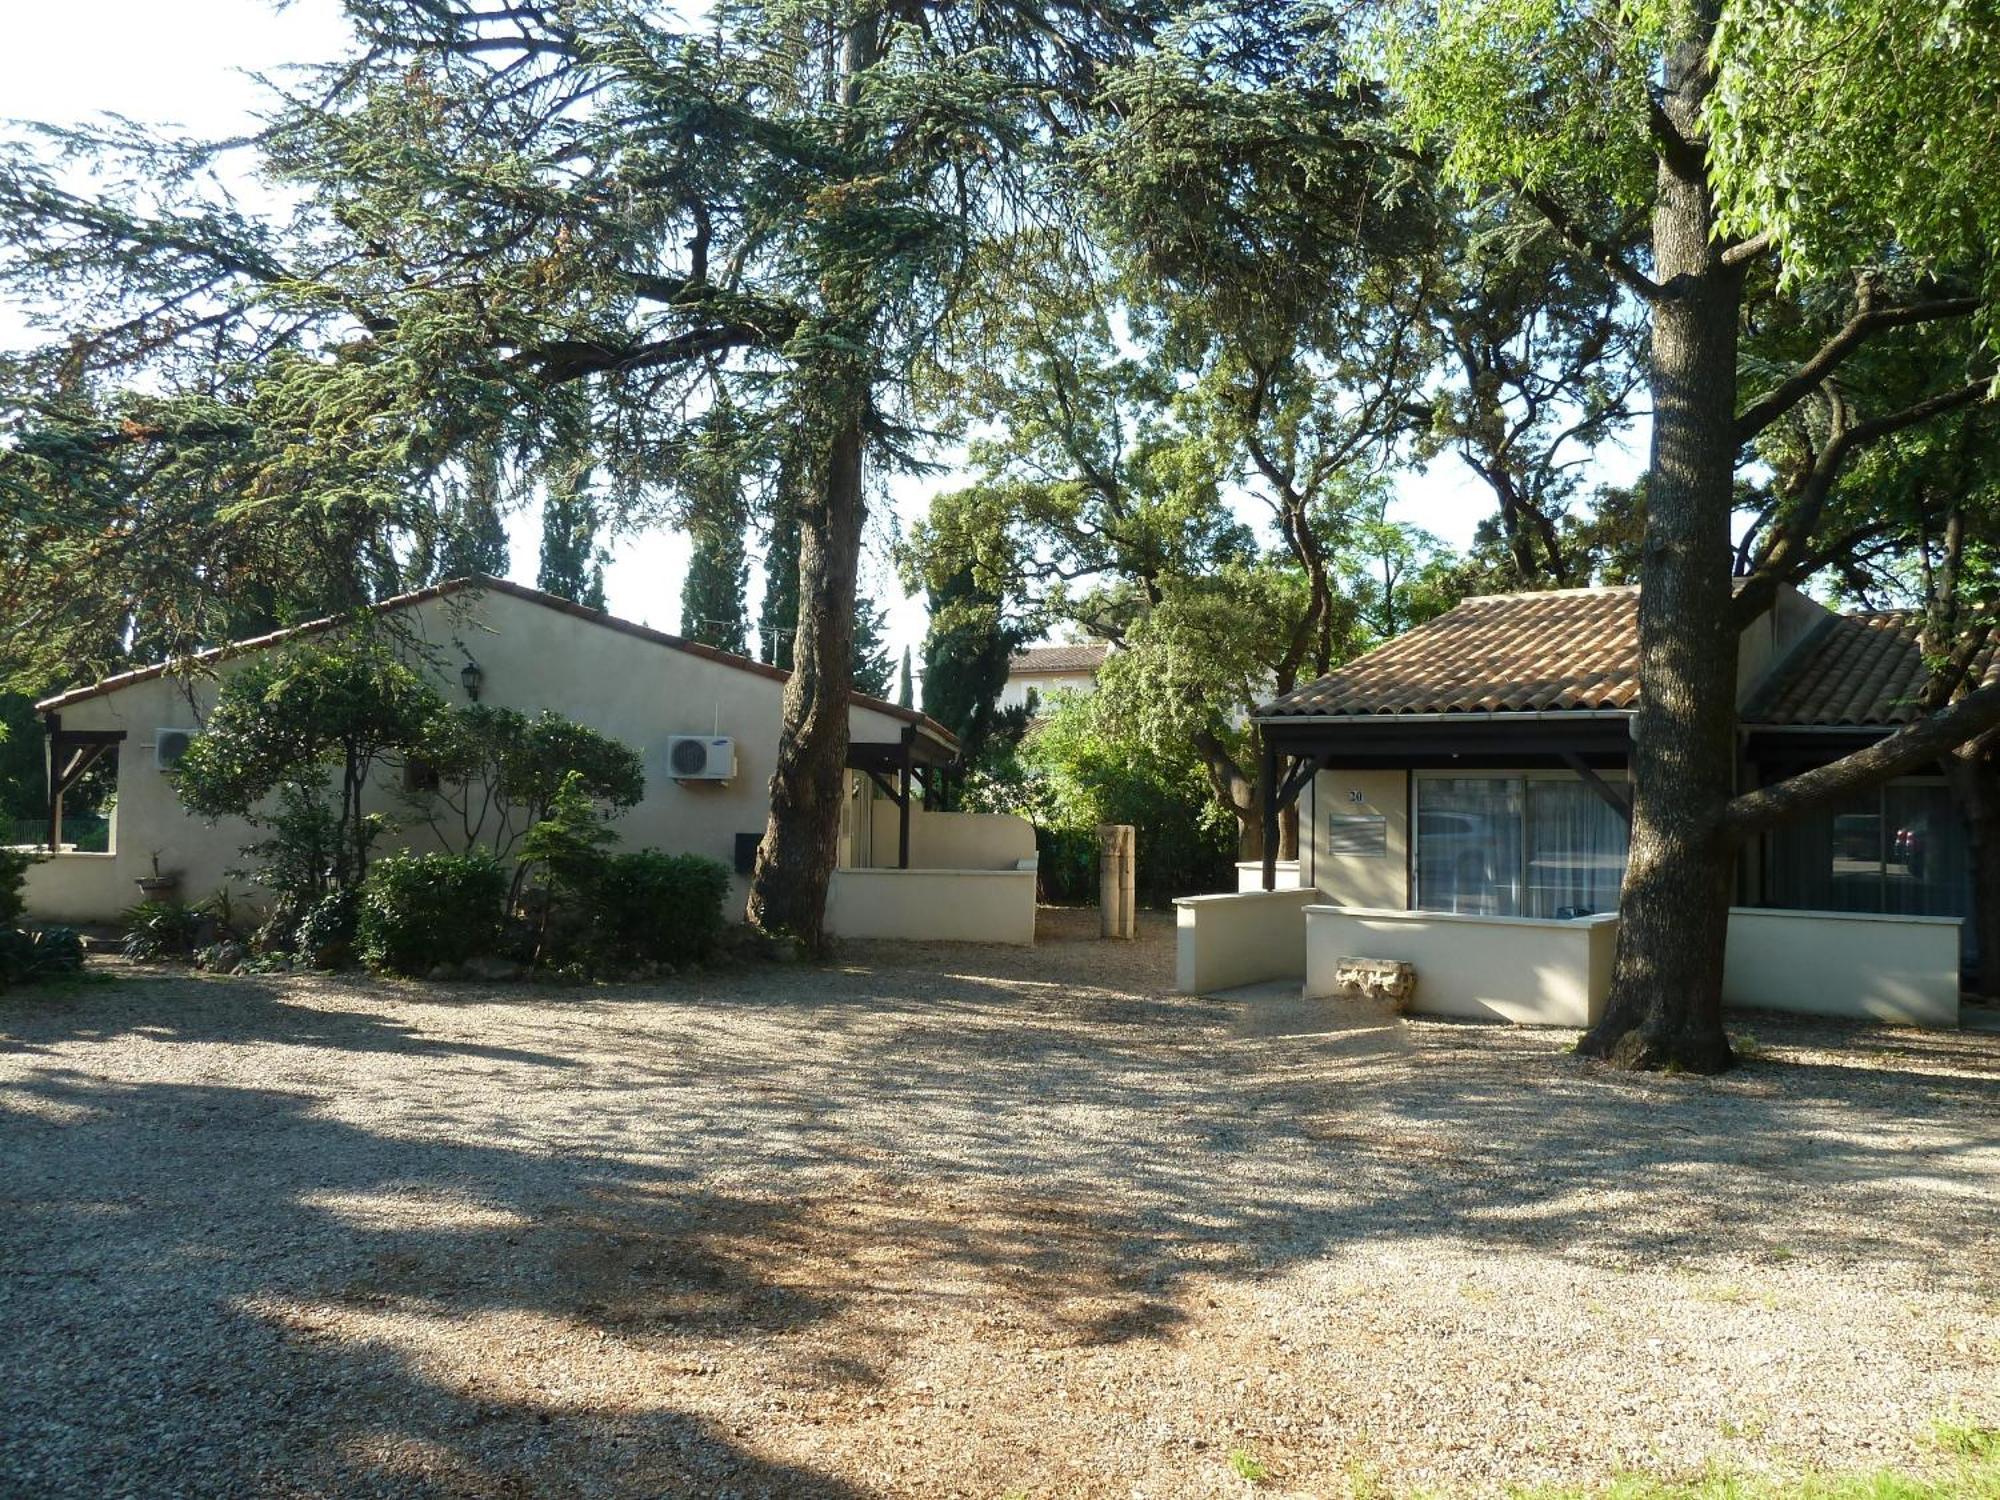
x=472, y=677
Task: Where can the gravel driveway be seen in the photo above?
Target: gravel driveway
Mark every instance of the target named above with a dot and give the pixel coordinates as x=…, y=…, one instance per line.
x=958, y=1221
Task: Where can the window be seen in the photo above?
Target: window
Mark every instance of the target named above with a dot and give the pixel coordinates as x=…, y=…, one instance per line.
x=1901, y=849
x=1576, y=850
x=1517, y=846
x=1469, y=845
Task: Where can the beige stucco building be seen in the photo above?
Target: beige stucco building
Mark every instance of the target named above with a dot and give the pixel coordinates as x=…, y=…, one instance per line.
x=1036, y=673
x=535, y=651
x=1465, y=788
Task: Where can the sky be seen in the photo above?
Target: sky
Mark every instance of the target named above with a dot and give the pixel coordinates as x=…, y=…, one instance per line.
x=190, y=63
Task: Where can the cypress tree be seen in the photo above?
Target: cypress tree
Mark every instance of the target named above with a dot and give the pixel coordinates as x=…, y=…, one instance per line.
x=712, y=597
x=474, y=537
x=872, y=668
x=572, y=564
x=967, y=651
x=778, y=614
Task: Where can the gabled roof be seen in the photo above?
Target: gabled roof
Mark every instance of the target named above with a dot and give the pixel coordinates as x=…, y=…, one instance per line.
x=1860, y=670
x=1565, y=649
x=1575, y=650
x=1054, y=661
x=474, y=585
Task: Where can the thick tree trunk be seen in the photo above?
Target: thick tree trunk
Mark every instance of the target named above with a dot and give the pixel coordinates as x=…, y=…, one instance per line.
x=801, y=843
x=1241, y=793
x=1986, y=903
x=1665, y=1008
x=1974, y=778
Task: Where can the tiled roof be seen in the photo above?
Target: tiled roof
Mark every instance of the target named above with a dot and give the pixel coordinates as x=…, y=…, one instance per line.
x=1566, y=649
x=1861, y=669
x=477, y=584
x=1044, y=661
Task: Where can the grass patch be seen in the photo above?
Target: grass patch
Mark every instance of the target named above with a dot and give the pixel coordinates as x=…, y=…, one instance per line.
x=1967, y=1440
x=1248, y=1467
x=1975, y=1477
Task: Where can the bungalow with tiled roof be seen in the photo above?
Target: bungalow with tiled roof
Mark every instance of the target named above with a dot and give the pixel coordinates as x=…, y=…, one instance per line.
x=1465, y=787
x=705, y=722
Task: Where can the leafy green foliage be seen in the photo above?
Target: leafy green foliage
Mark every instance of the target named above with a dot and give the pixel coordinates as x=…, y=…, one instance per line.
x=1842, y=130
x=156, y=930
x=418, y=911
x=497, y=772
x=23, y=775
x=1074, y=771
x=325, y=937
x=643, y=905
x=32, y=954
x=569, y=841
x=292, y=728
x=14, y=865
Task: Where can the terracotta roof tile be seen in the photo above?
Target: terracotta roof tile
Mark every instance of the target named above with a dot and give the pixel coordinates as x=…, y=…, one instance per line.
x=1577, y=649
x=1565, y=649
x=1068, y=656
x=1860, y=669
x=476, y=584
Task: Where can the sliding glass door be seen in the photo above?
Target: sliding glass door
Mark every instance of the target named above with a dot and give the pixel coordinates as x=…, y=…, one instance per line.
x=1517, y=846
x=1469, y=845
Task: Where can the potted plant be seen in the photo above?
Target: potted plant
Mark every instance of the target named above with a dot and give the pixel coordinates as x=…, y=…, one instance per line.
x=161, y=884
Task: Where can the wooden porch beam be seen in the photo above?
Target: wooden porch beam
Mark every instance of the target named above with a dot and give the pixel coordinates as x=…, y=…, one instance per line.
x=1619, y=800
x=903, y=784
x=1269, y=782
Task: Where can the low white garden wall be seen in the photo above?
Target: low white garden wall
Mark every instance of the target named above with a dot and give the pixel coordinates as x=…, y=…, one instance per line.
x=1854, y=965
x=1250, y=875
x=1528, y=970
x=79, y=888
x=1224, y=941
x=956, y=906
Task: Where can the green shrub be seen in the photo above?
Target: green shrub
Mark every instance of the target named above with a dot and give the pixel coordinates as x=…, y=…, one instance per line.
x=324, y=937
x=13, y=881
x=650, y=906
x=157, y=930
x=421, y=910
x=28, y=954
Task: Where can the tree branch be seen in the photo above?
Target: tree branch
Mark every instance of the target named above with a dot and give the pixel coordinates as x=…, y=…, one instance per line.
x=1599, y=252
x=1910, y=749
x=1744, y=251
x=1858, y=329
x=1689, y=159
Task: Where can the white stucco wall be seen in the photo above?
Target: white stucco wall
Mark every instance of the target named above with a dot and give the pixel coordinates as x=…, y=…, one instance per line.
x=534, y=657
x=1857, y=966
x=960, y=906
x=1522, y=969
x=1228, y=940
x=947, y=840
x=1044, y=686
x=1250, y=875
x=1902, y=970
x=1353, y=879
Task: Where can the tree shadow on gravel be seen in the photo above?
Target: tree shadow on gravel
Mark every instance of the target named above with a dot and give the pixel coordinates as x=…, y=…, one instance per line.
x=235, y=1008
x=212, y=1288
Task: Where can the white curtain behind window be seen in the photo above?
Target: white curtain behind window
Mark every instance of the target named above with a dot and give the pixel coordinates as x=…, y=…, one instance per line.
x=1576, y=850
x=1469, y=845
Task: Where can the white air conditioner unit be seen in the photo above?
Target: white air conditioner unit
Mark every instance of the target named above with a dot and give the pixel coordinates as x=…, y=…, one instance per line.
x=701, y=757
x=169, y=745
